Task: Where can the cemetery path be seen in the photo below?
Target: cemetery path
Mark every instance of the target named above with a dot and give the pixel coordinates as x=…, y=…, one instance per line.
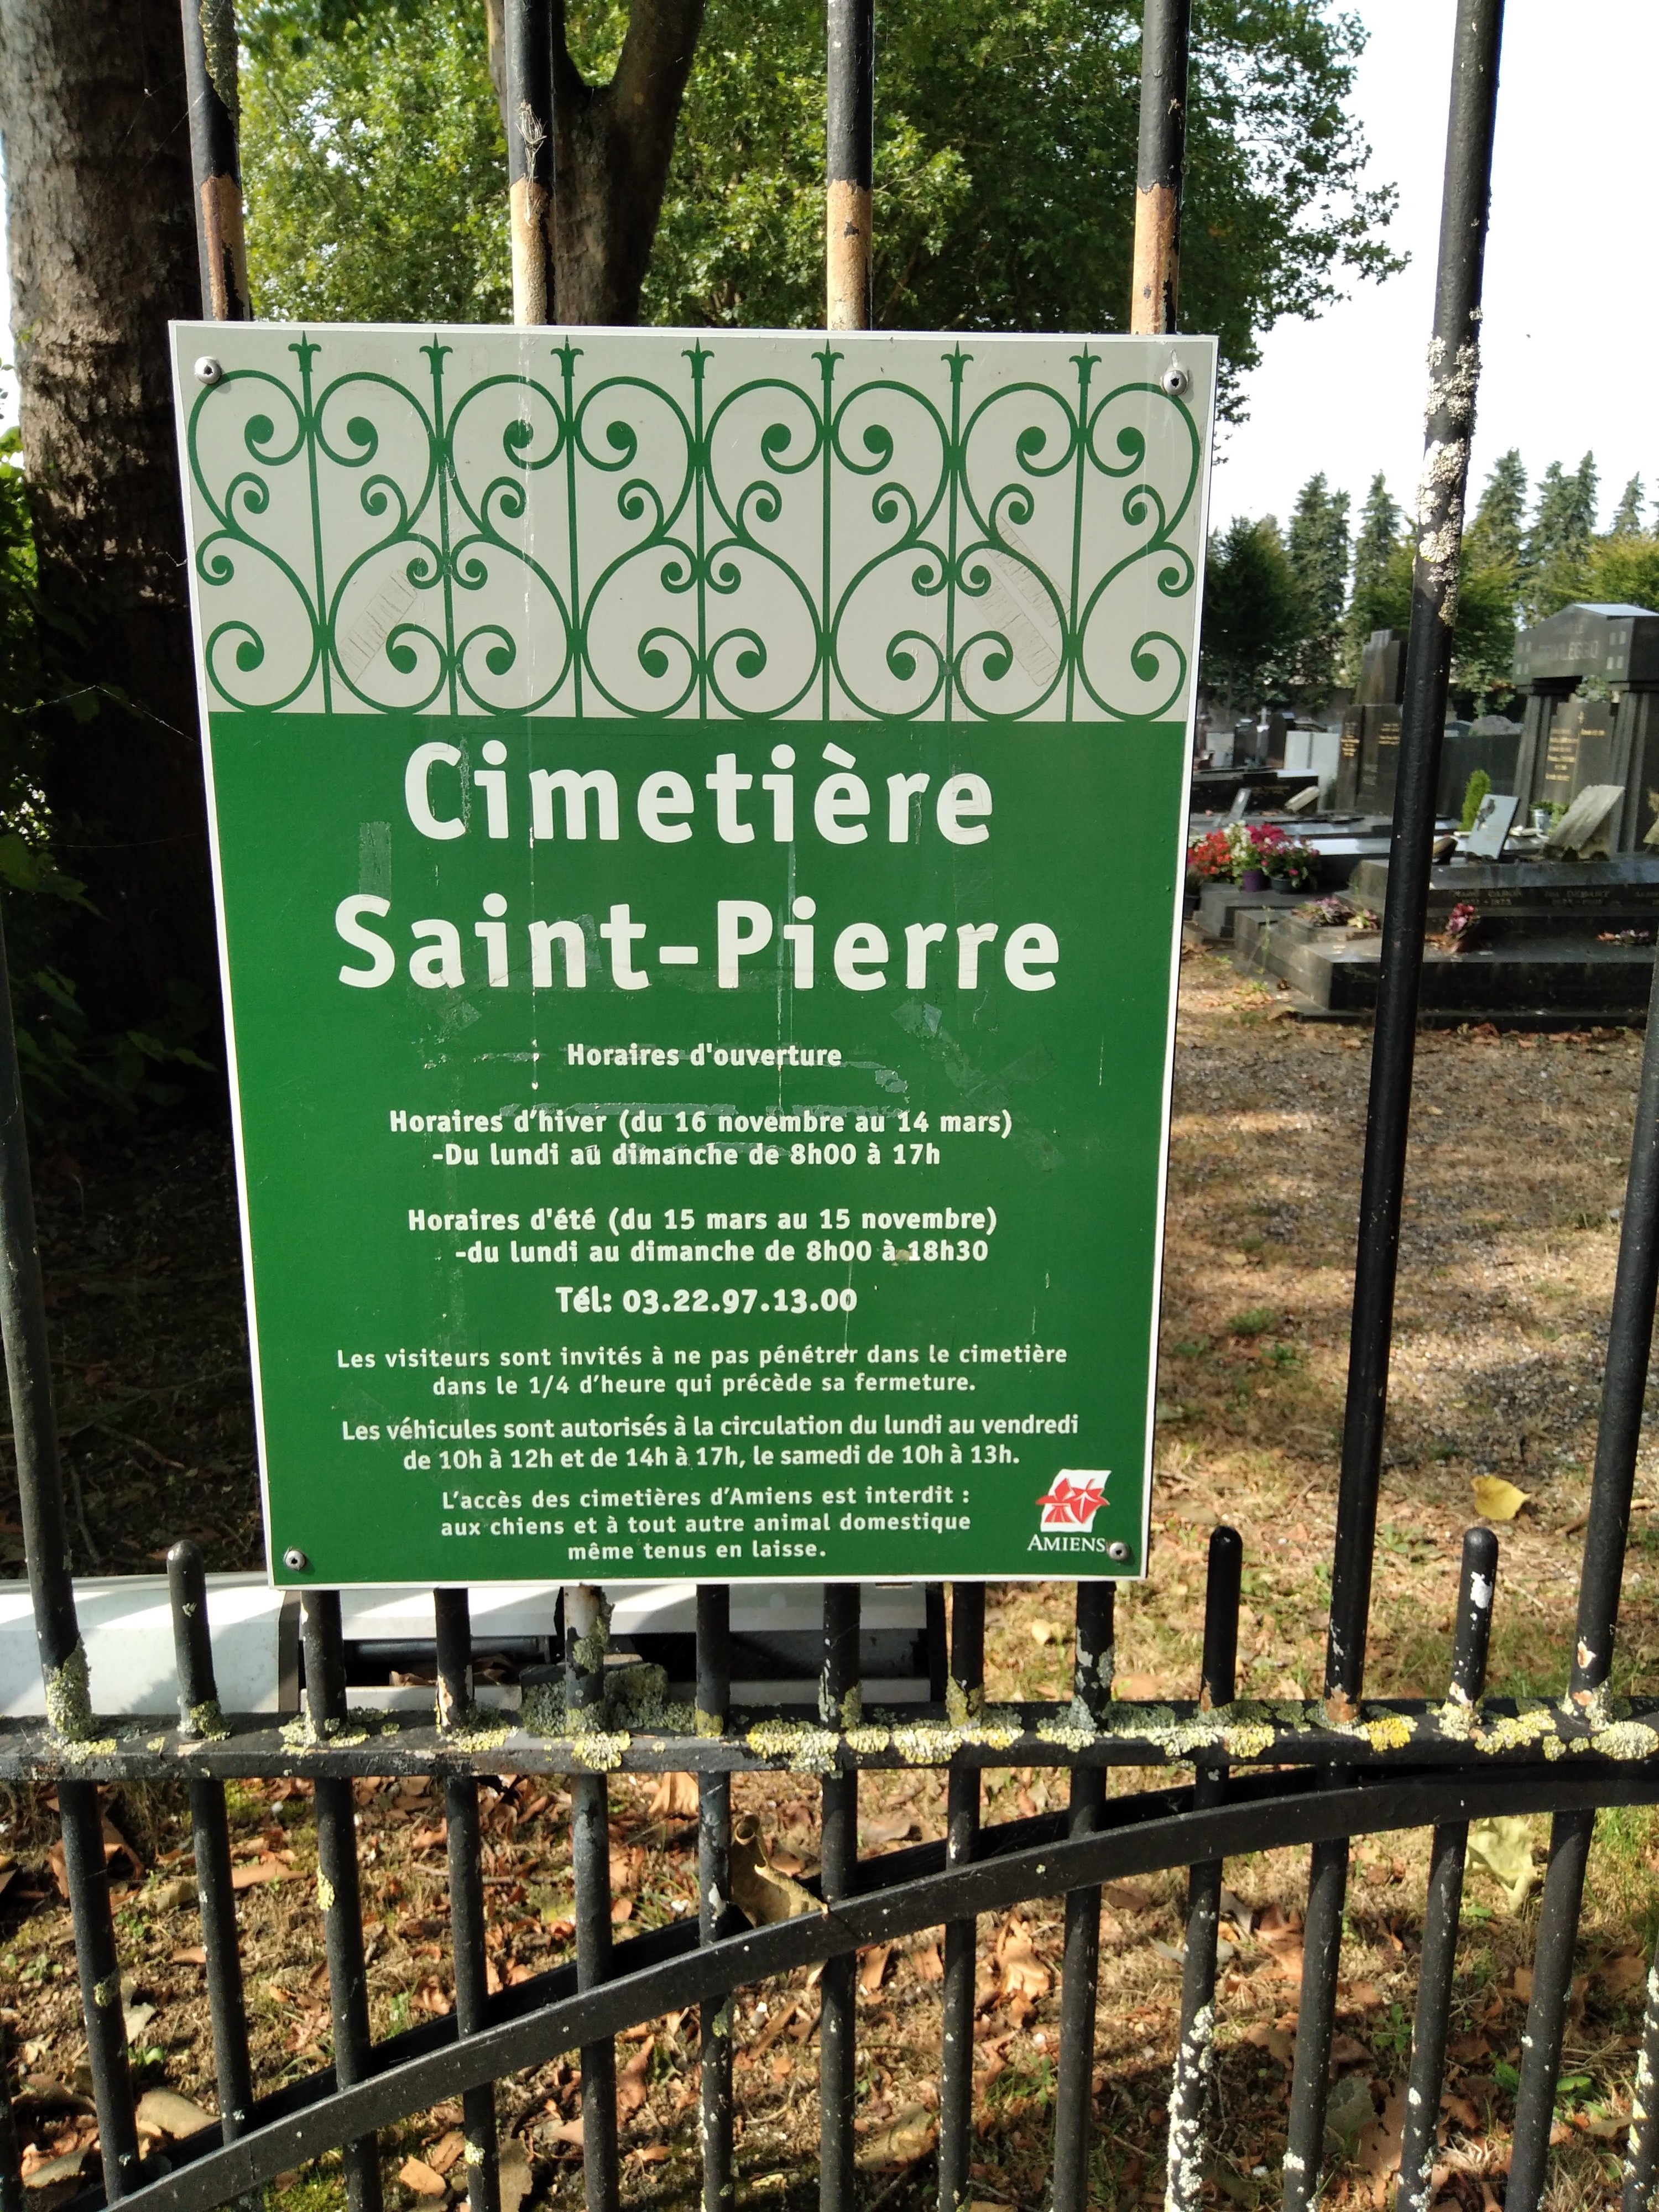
x=1518, y=1165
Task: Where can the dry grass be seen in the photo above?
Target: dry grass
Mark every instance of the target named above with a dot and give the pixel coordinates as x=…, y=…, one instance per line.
x=1506, y=1276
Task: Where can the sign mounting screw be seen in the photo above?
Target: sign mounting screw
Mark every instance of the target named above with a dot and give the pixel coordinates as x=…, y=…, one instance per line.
x=1117, y=1551
x=207, y=370
x=295, y=1560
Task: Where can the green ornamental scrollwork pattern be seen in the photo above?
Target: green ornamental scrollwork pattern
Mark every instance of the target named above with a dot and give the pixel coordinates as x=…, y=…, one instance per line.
x=491, y=523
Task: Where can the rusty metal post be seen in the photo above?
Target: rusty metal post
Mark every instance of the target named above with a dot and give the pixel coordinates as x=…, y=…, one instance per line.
x=851, y=149
x=210, y=28
x=528, y=46
x=1160, y=172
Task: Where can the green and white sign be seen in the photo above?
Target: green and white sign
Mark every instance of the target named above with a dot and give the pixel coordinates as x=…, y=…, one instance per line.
x=698, y=825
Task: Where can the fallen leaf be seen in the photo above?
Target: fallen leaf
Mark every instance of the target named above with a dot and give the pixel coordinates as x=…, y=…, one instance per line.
x=428, y=1839
x=1522, y=1986
x=874, y=1966
x=929, y=1966
x=1349, y=2111
x=761, y=1892
x=266, y=1868
x=1623, y=1971
x=905, y=2138
x=1044, y=1631
x=1360, y=1996
x=431, y=1998
x=887, y=1828
x=1345, y=2051
x=55, y=2169
x=1377, y=2152
x=622, y=1909
x=674, y=1798
x=1126, y=1896
x=443, y=2154
x=1496, y=1499
x=168, y=1896
x=1025, y=1978
x=1138, y=1689
x=632, y=2083
x=415, y=2174
x=188, y=1954
x=513, y=2174
x=564, y=2131
x=172, y=2114
x=1504, y=1847
x=649, y=2154
x=135, y=2019
x=1278, y=2040
x=1466, y=2114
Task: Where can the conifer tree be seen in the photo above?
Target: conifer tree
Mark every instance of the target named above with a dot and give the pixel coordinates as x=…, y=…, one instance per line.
x=1498, y=532
x=1318, y=548
x=1376, y=547
x=1627, y=515
x=1558, y=543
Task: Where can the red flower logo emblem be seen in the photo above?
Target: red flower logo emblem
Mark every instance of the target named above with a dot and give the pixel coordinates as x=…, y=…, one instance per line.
x=1072, y=1504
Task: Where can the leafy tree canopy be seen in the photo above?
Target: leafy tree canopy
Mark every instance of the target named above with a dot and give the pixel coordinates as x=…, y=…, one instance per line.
x=1254, y=614
x=1005, y=165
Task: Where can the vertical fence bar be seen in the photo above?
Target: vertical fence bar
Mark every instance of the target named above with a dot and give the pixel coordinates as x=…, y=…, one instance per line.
x=11, y=2159
x=850, y=136
x=965, y=1696
x=57, y=1635
x=101, y=1983
x=1438, y=1963
x=527, y=46
x=210, y=28
x=1092, y=1665
x=199, y=1718
x=1641, y=2174
x=452, y=1617
x=715, y=1892
x=1630, y=1344
x=1454, y=371
x=1165, y=37
x=1193, y=2084
x=33, y=1426
x=336, y=1886
x=838, y=1708
x=586, y=1631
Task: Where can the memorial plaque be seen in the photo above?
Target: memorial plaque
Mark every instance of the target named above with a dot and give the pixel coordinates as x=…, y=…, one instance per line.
x=698, y=830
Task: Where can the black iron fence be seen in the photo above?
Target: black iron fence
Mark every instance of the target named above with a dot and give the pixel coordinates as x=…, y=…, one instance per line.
x=1261, y=1775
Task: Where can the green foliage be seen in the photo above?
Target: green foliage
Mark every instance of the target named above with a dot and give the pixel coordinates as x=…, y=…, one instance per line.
x=1253, y=614
x=1553, y=568
x=1498, y=532
x=1005, y=165
x=1627, y=515
x=1318, y=550
x=1372, y=604
x=1474, y=791
x=375, y=165
x=1623, y=568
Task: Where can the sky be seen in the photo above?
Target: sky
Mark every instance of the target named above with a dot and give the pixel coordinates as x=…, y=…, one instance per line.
x=1571, y=345
x=1570, y=352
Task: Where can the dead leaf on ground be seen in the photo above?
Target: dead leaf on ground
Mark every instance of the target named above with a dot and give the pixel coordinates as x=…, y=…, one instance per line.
x=908, y=2136
x=564, y=2131
x=266, y=1868
x=1345, y=2051
x=873, y=1967
x=1045, y=1631
x=649, y=2154
x=1522, y=1986
x=443, y=2154
x=632, y=2083
x=1495, y=1499
x=1127, y=1897
x=415, y=2174
x=1624, y=1970
x=55, y=2169
x=1024, y=1978
x=888, y=1828
x=622, y=1909
x=174, y=2115
x=929, y=1966
x=1277, y=2040
x=513, y=2174
x=1504, y=1847
x=1138, y=1689
x=761, y=1892
x=674, y=1798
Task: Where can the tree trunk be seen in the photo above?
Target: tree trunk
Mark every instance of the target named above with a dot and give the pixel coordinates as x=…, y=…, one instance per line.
x=612, y=146
x=103, y=250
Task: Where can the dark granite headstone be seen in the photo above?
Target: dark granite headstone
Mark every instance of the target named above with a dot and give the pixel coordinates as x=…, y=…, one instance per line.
x=1492, y=743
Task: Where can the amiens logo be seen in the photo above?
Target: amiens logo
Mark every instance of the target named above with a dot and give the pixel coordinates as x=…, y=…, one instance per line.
x=1073, y=1502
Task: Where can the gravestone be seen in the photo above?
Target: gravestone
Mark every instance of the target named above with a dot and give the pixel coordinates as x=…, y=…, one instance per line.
x=1592, y=675
x=1369, y=750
